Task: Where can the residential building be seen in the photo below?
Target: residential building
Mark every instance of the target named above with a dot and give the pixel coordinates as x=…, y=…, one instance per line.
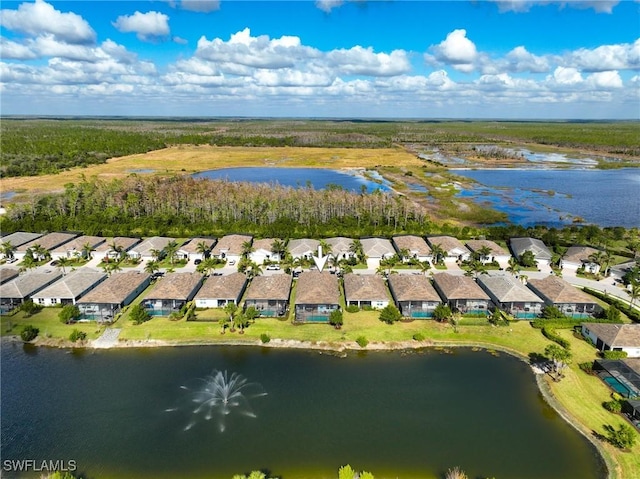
x=217, y=291
x=377, y=250
x=340, y=247
x=414, y=296
x=511, y=296
x=15, y=292
x=496, y=252
x=415, y=246
x=614, y=337
x=365, y=291
x=122, y=246
x=578, y=257
x=303, y=248
x=540, y=251
x=623, y=377
x=7, y=274
x=70, y=288
x=191, y=250
x=106, y=300
x=17, y=239
x=452, y=247
x=461, y=293
x=619, y=270
x=148, y=249
x=317, y=296
x=48, y=242
x=262, y=252
x=171, y=293
x=269, y=294
x=571, y=301
x=230, y=247
x=75, y=248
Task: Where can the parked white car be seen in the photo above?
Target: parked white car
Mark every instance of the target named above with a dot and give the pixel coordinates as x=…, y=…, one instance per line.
x=273, y=267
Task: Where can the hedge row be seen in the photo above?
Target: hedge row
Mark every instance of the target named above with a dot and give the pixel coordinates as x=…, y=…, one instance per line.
x=549, y=333
x=633, y=314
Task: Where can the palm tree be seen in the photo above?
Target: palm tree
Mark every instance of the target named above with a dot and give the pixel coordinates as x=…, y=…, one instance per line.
x=634, y=292
x=278, y=247
x=404, y=254
x=87, y=249
x=63, y=263
x=438, y=253
x=7, y=249
x=424, y=267
x=117, y=249
x=253, y=270
x=514, y=267
x=28, y=263
x=231, y=309
x=326, y=247
x=206, y=266
x=475, y=268
x=39, y=252
x=203, y=249
x=156, y=254
x=247, y=248
x=152, y=267
x=484, y=254
x=110, y=268
x=356, y=249
x=171, y=249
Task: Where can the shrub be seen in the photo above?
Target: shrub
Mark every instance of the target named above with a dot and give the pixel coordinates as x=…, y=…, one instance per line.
x=624, y=437
x=69, y=313
x=442, y=312
x=390, y=314
x=139, y=315
x=612, y=314
x=362, y=341
x=552, y=312
x=551, y=334
x=29, y=308
x=29, y=333
x=633, y=314
x=418, y=337
x=265, y=338
x=352, y=308
x=586, y=367
x=77, y=335
x=614, y=354
x=612, y=406
x=335, y=319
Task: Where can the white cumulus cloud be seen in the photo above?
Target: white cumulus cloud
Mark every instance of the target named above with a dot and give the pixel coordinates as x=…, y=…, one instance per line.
x=521, y=6
x=364, y=61
x=148, y=26
x=520, y=60
x=605, y=80
x=455, y=50
x=40, y=18
x=565, y=76
x=328, y=5
x=625, y=56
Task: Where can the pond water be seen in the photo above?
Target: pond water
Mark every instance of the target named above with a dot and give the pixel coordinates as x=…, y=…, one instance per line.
x=319, y=178
x=555, y=197
x=130, y=413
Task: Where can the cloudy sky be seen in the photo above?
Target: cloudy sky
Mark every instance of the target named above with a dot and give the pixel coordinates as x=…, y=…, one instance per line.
x=325, y=58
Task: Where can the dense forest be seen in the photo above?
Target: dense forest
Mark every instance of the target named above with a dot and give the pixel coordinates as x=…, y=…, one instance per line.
x=44, y=146
x=184, y=206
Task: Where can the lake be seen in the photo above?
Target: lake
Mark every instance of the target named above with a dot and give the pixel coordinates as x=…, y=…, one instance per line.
x=554, y=197
x=129, y=413
x=319, y=178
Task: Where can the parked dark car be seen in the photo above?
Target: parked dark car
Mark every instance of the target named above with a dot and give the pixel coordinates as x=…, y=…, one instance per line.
x=197, y=261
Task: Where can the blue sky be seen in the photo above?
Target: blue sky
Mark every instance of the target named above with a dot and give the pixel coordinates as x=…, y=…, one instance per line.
x=527, y=59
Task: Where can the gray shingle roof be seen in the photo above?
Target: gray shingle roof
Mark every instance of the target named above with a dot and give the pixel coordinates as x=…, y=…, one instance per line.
x=124, y=242
x=303, y=246
x=176, y=286
x=578, y=254
x=19, y=238
x=340, y=244
x=7, y=274
x=276, y=287
x=412, y=288
x=506, y=289
x=317, y=288
x=448, y=244
x=537, y=247
x=222, y=287
x=28, y=284
x=458, y=287
x=191, y=246
x=150, y=244
x=365, y=287
x=73, y=284
x=78, y=243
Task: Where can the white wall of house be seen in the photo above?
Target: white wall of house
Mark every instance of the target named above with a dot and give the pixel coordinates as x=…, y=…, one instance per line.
x=210, y=303
x=632, y=351
x=261, y=255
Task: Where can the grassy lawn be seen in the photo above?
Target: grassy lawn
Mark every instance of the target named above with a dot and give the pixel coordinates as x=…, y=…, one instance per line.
x=48, y=323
